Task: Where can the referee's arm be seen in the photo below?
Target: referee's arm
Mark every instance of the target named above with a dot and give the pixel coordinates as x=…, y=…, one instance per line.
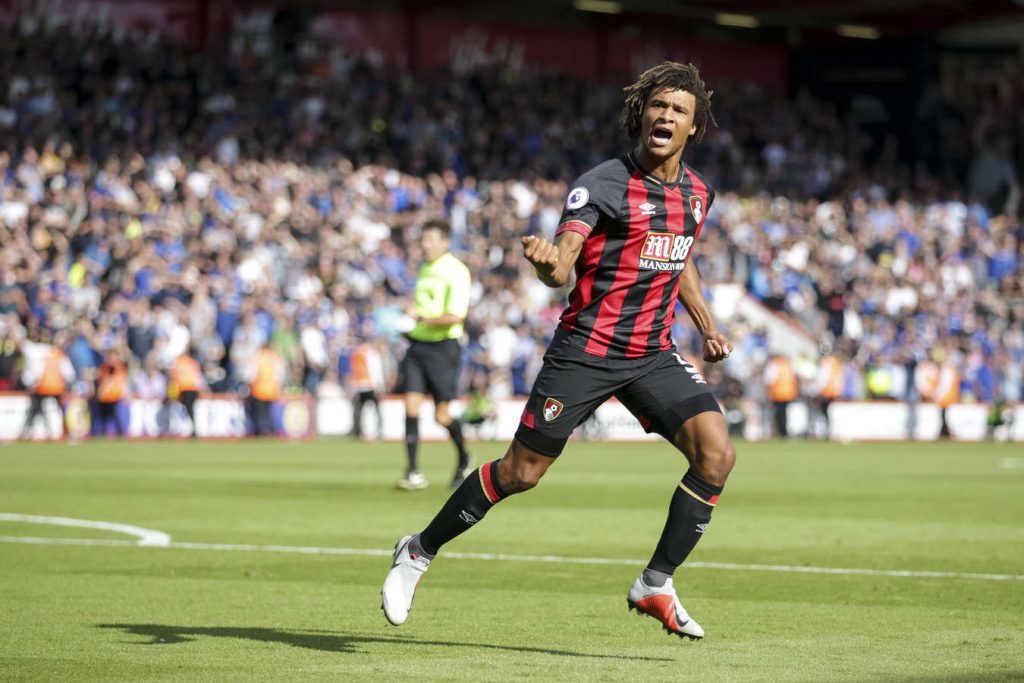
x=443, y=320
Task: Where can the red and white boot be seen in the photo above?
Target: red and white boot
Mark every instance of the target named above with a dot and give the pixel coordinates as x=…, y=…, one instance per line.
x=663, y=604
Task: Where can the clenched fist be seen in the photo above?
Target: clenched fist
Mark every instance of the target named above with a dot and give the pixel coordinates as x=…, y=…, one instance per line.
x=716, y=347
x=541, y=253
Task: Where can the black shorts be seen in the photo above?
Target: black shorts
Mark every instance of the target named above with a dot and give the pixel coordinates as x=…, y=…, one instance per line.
x=662, y=391
x=432, y=368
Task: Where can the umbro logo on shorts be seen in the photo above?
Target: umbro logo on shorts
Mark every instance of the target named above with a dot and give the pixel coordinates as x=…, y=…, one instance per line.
x=694, y=372
x=552, y=409
x=701, y=528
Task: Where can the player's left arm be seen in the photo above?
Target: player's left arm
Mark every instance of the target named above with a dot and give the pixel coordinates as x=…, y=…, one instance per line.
x=716, y=346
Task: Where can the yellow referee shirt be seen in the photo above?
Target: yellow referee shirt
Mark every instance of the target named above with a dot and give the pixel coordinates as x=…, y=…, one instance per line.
x=441, y=287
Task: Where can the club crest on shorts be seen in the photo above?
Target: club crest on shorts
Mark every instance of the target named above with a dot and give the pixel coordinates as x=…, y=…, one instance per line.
x=552, y=409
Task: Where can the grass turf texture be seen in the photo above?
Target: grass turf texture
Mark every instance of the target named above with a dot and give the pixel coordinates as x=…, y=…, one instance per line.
x=131, y=613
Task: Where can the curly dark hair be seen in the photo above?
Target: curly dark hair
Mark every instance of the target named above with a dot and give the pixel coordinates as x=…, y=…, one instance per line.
x=666, y=76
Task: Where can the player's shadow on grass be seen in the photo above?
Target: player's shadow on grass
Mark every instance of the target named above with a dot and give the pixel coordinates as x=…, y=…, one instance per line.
x=327, y=641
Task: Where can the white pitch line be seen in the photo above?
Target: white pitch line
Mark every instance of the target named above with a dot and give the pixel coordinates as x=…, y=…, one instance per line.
x=147, y=537
x=37, y=540
x=374, y=552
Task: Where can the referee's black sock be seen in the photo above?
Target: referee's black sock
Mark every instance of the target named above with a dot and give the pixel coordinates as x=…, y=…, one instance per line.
x=688, y=516
x=464, y=508
x=455, y=430
x=412, y=441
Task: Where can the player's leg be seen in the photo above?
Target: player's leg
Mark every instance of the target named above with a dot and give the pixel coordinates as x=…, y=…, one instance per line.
x=562, y=396
x=704, y=440
x=414, y=384
x=442, y=375
x=454, y=426
x=413, y=478
x=673, y=400
x=519, y=470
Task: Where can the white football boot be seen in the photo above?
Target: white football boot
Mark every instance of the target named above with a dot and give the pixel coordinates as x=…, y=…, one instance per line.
x=407, y=571
x=414, y=481
x=663, y=604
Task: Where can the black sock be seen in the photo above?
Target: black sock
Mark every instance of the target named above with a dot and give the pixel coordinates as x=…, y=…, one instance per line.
x=455, y=430
x=688, y=516
x=412, y=441
x=464, y=508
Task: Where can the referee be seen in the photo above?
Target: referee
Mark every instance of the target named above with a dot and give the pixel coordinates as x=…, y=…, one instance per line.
x=431, y=365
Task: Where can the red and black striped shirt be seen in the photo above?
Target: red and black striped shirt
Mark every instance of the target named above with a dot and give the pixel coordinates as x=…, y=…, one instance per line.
x=639, y=235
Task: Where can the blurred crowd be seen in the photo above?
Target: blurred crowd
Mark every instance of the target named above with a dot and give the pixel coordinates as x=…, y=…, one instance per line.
x=156, y=202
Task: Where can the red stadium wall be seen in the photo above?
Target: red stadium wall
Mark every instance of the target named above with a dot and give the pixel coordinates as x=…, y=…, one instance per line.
x=467, y=45
x=179, y=20
x=412, y=40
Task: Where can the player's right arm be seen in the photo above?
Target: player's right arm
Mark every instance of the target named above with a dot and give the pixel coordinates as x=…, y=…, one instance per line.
x=553, y=262
x=588, y=199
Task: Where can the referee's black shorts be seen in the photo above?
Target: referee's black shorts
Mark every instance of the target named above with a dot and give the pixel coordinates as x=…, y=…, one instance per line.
x=662, y=391
x=432, y=368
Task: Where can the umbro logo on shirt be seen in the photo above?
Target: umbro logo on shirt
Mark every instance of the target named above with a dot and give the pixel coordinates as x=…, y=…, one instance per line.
x=648, y=209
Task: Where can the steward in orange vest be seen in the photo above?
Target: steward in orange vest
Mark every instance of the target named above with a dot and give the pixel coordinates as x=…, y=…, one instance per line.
x=829, y=384
x=111, y=389
x=265, y=388
x=938, y=381
x=186, y=382
x=780, y=379
x=48, y=373
x=57, y=372
x=365, y=384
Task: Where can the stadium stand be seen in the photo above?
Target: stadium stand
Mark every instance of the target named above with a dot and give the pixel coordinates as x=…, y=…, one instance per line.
x=154, y=198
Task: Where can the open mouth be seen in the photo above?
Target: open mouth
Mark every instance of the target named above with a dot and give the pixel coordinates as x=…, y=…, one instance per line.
x=660, y=136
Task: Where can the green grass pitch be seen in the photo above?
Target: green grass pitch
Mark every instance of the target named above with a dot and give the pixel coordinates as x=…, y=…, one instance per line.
x=191, y=612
